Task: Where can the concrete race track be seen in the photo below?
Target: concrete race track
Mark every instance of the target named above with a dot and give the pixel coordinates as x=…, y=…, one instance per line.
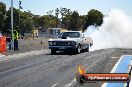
x=45, y=70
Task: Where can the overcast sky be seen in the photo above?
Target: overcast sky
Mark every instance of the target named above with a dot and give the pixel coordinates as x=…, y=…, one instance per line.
x=40, y=7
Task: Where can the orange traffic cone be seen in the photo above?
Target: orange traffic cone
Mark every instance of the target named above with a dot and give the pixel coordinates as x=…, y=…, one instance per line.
x=2, y=44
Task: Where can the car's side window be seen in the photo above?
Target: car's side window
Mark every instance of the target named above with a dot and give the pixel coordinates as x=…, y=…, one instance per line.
x=59, y=36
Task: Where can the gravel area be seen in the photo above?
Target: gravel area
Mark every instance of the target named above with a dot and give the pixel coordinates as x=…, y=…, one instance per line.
x=29, y=45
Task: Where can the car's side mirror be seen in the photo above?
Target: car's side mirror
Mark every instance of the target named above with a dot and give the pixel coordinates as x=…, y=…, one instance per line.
x=83, y=36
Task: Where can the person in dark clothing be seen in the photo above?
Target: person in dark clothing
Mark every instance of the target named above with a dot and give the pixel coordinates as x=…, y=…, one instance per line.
x=9, y=39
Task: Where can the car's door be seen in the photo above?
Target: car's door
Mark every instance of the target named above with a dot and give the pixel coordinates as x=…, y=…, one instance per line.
x=84, y=41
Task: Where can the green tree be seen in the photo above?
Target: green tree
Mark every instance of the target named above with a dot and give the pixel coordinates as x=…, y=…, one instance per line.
x=2, y=15
x=7, y=26
x=59, y=22
x=57, y=11
x=82, y=21
x=94, y=17
x=36, y=20
x=26, y=22
x=65, y=11
x=50, y=12
x=66, y=21
x=27, y=25
x=47, y=21
x=53, y=22
x=74, y=22
x=44, y=21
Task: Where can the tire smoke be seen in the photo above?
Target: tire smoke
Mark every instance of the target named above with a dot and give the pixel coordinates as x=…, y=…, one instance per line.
x=115, y=32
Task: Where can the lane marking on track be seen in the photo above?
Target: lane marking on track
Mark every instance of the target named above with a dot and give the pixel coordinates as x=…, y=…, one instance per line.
x=1, y=57
x=115, y=68
x=69, y=84
x=70, y=59
x=55, y=84
x=114, y=57
x=74, y=80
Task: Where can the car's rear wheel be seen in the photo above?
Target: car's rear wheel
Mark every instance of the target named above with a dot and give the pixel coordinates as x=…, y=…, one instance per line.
x=53, y=51
x=87, y=49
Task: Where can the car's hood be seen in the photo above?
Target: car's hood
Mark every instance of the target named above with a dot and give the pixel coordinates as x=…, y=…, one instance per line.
x=59, y=39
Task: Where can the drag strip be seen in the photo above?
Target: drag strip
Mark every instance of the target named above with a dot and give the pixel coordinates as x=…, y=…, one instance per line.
x=122, y=66
x=45, y=70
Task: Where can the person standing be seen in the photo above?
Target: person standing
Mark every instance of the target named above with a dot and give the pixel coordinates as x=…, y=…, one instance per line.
x=8, y=40
x=15, y=40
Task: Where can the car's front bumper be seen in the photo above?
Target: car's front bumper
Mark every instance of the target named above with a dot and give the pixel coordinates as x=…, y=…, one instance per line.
x=62, y=47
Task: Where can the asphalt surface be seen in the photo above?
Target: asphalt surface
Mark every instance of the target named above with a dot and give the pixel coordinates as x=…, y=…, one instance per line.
x=41, y=69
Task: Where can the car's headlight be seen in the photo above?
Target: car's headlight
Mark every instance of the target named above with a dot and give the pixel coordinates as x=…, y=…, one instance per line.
x=73, y=43
x=50, y=43
x=68, y=43
x=54, y=43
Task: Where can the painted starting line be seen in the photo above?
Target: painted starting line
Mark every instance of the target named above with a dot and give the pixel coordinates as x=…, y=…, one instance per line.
x=1, y=55
x=122, y=66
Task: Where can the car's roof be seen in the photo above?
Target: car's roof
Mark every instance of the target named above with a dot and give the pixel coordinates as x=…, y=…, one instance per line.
x=74, y=31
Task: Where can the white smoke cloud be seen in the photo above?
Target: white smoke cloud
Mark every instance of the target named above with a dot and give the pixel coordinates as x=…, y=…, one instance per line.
x=115, y=32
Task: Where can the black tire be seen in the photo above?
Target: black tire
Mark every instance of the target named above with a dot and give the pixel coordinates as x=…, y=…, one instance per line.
x=87, y=49
x=53, y=51
x=78, y=50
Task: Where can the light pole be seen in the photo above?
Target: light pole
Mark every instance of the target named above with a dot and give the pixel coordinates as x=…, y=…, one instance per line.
x=41, y=35
x=12, y=24
x=20, y=7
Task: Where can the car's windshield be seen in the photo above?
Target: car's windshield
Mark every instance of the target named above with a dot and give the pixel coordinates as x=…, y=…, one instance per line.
x=70, y=34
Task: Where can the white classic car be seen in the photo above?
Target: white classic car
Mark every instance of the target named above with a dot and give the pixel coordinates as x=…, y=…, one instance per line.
x=73, y=41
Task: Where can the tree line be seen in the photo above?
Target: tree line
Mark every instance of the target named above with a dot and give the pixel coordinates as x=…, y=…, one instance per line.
x=25, y=21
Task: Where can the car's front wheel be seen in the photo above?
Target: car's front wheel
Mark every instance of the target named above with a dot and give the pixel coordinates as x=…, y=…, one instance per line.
x=53, y=51
x=78, y=50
